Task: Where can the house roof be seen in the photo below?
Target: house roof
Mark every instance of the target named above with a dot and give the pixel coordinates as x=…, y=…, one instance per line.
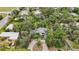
x=10, y=35
x=10, y=26
x=39, y=30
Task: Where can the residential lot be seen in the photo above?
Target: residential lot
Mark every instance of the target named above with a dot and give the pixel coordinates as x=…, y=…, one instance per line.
x=39, y=29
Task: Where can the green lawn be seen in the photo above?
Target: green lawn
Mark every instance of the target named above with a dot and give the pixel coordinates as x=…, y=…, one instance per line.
x=6, y=8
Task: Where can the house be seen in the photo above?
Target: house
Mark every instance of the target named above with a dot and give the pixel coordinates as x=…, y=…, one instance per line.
x=41, y=31
x=11, y=37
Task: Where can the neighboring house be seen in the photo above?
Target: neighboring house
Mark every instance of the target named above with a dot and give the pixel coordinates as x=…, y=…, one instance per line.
x=11, y=37
x=41, y=31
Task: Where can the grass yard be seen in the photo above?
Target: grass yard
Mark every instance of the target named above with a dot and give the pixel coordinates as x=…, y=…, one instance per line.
x=6, y=8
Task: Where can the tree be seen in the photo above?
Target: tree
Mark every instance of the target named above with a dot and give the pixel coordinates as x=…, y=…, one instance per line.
x=24, y=29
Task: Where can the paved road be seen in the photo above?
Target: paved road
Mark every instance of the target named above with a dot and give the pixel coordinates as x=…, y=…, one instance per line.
x=3, y=21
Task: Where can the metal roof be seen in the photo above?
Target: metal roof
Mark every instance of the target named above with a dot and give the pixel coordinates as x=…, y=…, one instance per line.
x=10, y=35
